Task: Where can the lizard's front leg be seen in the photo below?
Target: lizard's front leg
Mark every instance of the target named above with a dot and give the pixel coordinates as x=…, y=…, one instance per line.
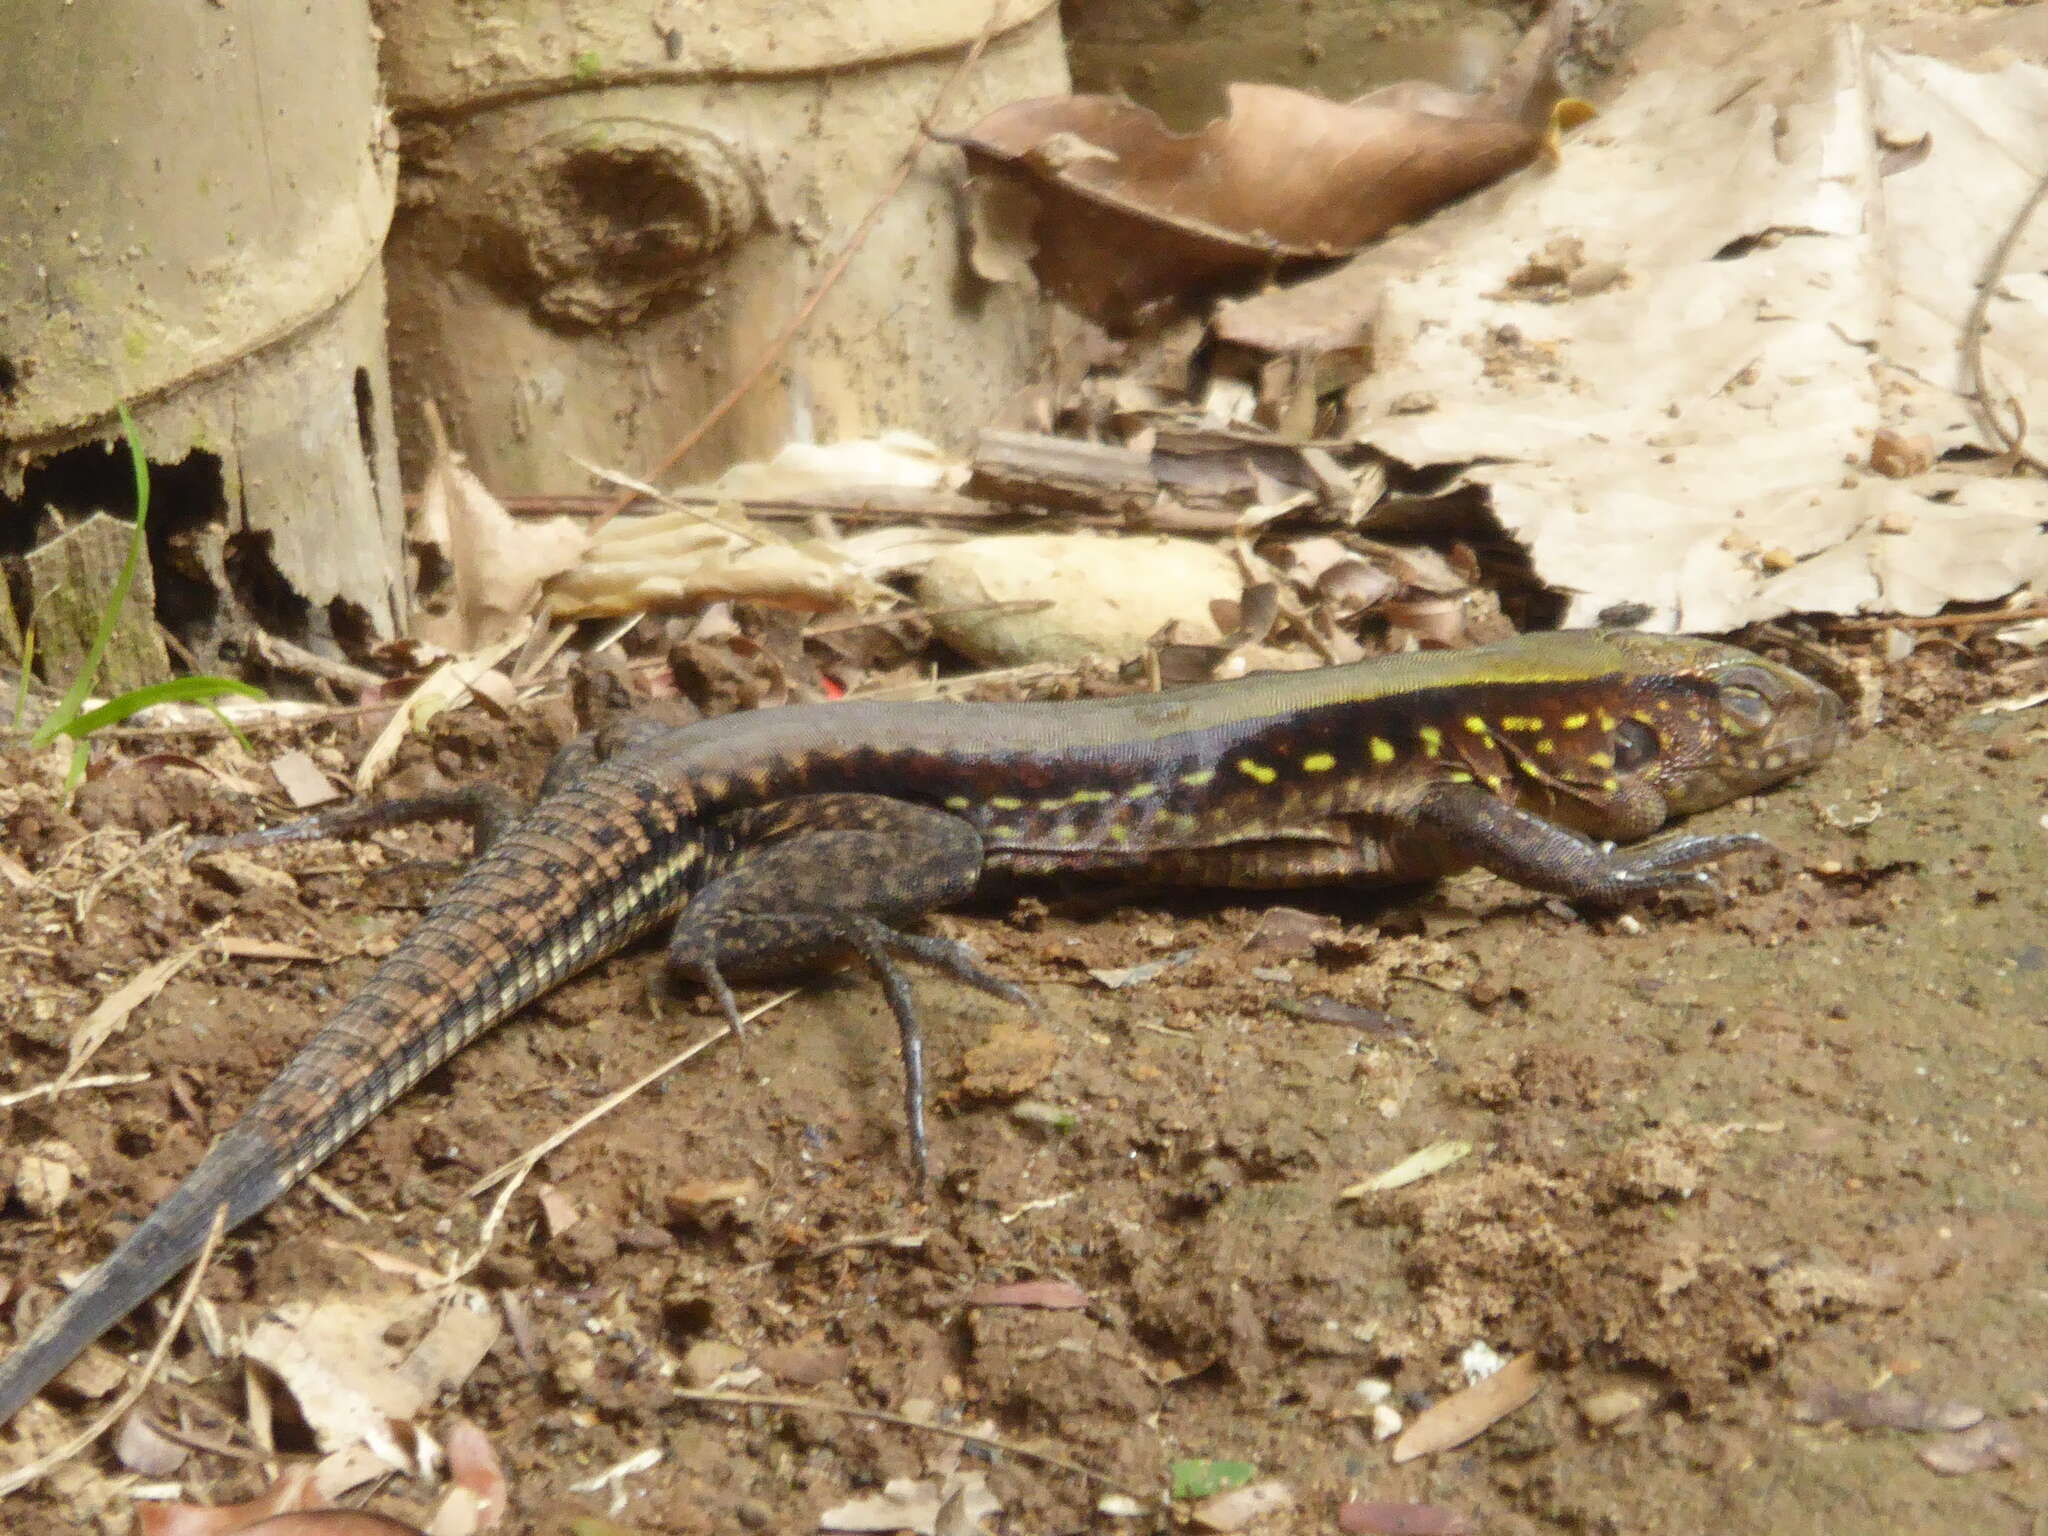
x=1521, y=846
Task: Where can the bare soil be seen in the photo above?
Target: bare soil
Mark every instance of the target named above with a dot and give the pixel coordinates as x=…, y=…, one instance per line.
x=1724, y=1157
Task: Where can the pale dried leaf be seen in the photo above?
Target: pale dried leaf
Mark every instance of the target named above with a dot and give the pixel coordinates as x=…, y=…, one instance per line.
x=1466, y=1414
x=1238, y=1508
x=1434, y=1158
x=1693, y=432
x=447, y=685
x=497, y=561
x=1986, y=1448
x=349, y=1385
x=99, y=1026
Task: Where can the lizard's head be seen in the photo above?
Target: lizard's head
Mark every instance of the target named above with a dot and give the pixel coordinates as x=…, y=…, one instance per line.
x=1711, y=722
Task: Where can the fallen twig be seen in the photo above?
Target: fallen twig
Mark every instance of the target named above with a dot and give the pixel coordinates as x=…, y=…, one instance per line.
x=2011, y=439
x=883, y=1416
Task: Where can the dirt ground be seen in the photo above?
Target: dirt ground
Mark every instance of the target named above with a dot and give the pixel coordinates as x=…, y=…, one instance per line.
x=1724, y=1160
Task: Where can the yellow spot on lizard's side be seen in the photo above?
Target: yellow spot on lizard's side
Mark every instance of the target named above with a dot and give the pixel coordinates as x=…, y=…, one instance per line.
x=1611, y=786
x=1495, y=782
x=1459, y=776
x=1005, y=803
x=1521, y=723
x=1607, y=721
x=1475, y=725
x=1142, y=791
x=1319, y=762
x=1198, y=778
x=1574, y=722
x=1066, y=832
x=1600, y=759
x=958, y=803
x=1091, y=796
x=1545, y=746
x=1057, y=802
x=1259, y=773
x=1119, y=834
x=1183, y=823
x=1002, y=834
x=1431, y=738
x=1381, y=749
x=1642, y=717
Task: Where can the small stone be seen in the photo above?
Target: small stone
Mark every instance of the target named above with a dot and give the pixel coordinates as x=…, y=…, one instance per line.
x=1898, y=456
x=707, y=1360
x=1387, y=1422
x=42, y=1185
x=1603, y=1410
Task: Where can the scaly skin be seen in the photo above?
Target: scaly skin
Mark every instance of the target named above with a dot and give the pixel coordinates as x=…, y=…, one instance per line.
x=790, y=835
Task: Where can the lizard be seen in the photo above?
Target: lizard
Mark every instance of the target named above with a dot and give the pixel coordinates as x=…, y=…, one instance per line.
x=789, y=837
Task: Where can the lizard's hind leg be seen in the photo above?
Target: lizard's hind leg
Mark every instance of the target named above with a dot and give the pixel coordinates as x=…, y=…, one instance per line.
x=816, y=878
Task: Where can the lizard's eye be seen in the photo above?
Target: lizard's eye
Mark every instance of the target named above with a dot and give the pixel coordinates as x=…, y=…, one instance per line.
x=1634, y=745
x=1747, y=704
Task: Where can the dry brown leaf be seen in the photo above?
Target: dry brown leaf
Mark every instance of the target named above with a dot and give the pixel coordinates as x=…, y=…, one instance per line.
x=292, y=1491
x=1463, y=1415
x=1884, y=1408
x=479, y=1495
x=1377, y=1517
x=1127, y=214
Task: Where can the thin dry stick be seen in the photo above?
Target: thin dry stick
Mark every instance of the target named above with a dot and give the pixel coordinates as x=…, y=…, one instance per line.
x=2013, y=440
x=826, y=281
x=521, y=1165
x=1945, y=620
x=42, y=1466
x=74, y=1085
x=883, y=1416
x=514, y=1172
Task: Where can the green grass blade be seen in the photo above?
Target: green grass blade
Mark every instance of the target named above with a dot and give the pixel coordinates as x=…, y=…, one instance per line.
x=178, y=690
x=61, y=718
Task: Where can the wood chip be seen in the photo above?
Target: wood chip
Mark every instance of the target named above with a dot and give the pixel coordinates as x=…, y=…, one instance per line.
x=241, y=946
x=303, y=781
x=1056, y=1295
x=1238, y=1508
x=1464, y=1415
